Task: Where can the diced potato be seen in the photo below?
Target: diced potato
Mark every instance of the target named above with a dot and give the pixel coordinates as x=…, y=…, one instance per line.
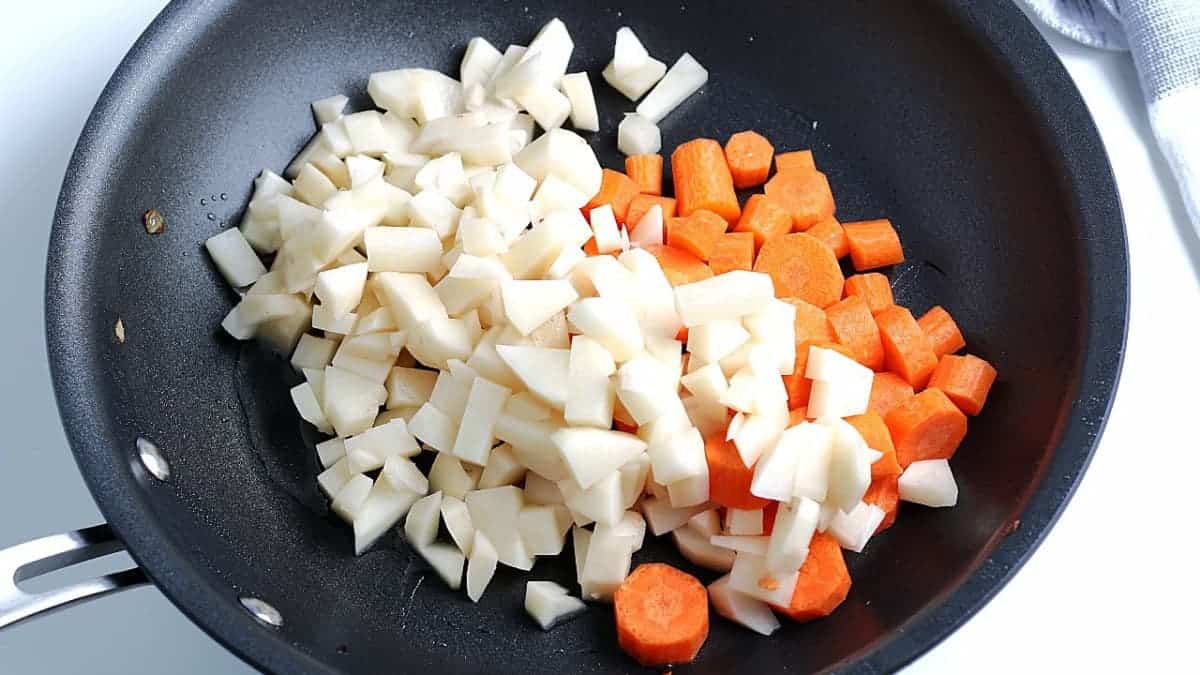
x=479, y=62
x=309, y=408
x=457, y=518
x=543, y=528
x=539, y=490
x=695, y=546
x=448, y=476
x=330, y=451
x=530, y=303
x=741, y=608
x=646, y=389
x=750, y=575
x=334, y=478
x=608, y=559
x=416, y=92
x=854, y=528
x=313, y=352
x=401, y=473
x=680, y=457
x=434, y=428
x=593, y=454
x=383, y=508
x=329, y=109
x=421, y=526
x=352, y=496
x=690, y=491
x=794, y=526
x=495, y=512
x=590, y=392
x=234, y=258
x=600, y=502
x=604, y=229
x=402, y=249
x=684, y=78
x=636, y=83
x=409, y=297
x=633, y=479
x=481, y=566
x=578, y=89
x=814, y=448
x=409, y=387
x=549, y=604
x=502, y=469
x=475, y=432
x=731, y=295
x=433, y=210
x=663, y=518
x=637, y=135
x=437, y=341
x=542, y=371
x=564, y=154
x=849, y=466
x=929, y=483
x=710, y=342
x=370, y=449
x=351, y=400
x=447, y=561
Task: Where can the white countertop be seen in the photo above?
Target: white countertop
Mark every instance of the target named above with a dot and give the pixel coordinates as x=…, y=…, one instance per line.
x=1113, y=587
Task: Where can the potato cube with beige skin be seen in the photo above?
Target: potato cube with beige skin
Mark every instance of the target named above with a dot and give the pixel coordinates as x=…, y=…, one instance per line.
x=402, y=249
x=549, y=604
x=592, y=454
x=234, y=258
x=543, y=371
x=495, y=512
x=421, y=526
x=481, y=565
x=383, y=508
x=409, y=387
x=476, y=428
x=543, y=528
x=601, y=502
x=929, y=483
x=502, y=468
x=530, y=303
x=694, y=546
x=590, y=391
x=741, y=608
x=457, y=518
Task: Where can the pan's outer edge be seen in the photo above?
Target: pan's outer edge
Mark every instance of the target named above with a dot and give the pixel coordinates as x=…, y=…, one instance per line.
x=1003, y=31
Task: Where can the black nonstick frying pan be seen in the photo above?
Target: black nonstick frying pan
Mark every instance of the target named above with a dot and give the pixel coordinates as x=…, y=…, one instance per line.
x=951, y=117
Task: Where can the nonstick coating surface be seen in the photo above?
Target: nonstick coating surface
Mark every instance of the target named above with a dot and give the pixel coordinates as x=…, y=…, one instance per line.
x=950, y=117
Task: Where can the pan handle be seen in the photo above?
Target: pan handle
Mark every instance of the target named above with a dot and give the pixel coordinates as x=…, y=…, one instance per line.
x=48, y=554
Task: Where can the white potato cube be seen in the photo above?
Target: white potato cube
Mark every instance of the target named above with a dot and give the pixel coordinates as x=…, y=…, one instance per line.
x=578, y=89
x=401, y=473
x=849, y=465
x=434, y=428
x=601, y=502
x=649, y=230
x=330, y=451
x=684, y=78
x=929, y=482
x=421, y=526
x=757, y=433
x=436, y=341
x=383, y=508
x=794, y=526
x=433, y=210
x=744, y=522
x=496, y=513
x=481, y=565
x=854, y=528
x=691, y=491
x=590, y=391
x=409, y=387
x=750, y=575
x=329, y=109
x=351, y=497
x=409, y=297
x=636, y=83
x=680, y=457
x=370, y=449
x=313, y=352
x=593, y=454
x=447, y=561
x=234, y=258
x=646, y=389
x=731, y=295
x=416, y=92
x=479, y=62
x=450, y=477
x=334, y=478
x=543, y=528
x=741, y=608
x=542, y=371
x=637, y=135
x=351, y=401
x=530, y=303
x=367, y=134
x=663, y=518
x=608, y=559
x=549, y=604
x=502, y=469
x=564, y=154
x=604, y=229
x=695, y=546
x=706, y=382
x=309, y=408
x=457, y=518
x=475, y=433
x=402, y=249
x=539, y=490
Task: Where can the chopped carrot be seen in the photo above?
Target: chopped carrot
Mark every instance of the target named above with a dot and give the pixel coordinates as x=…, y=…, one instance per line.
x=874, y=431
x=798, y=386
x=698, y=233
x=733, y=251
x=728, y=478
x=769, y=512
x=680, y=267
x=884, y=492
x=887, y=390
x=824, y=581
x=942, y=331
x=873, y=287
x=616, y=189
x=662, y=615
x=702, y=179
x=640, y=204
x=682, y=336
x=811, y=322
x=622, y=426
x=926, y=426
x=749, y=157
x=873, y=243
x=907, y=352
x=966, y=380
x=764, y=218
x=796, y=159
x=646, y=171
x=830, y=232
x=797, y=415
x=804, y=194
x=590, y=248
x=854, y=327
x=801, y=267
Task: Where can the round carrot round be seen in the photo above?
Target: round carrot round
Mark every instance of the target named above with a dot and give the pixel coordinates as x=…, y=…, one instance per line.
x=823, y=584
x=728, y=478
x=801, y=267
x=926, y=426
x=662, y=615
x=805, y=194
x=680, y=266
x=749, y=157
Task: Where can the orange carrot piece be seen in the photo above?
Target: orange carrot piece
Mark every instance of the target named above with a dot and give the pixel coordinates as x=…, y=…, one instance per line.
x=728, y=478
x=640, y=204
x=616, y=189
x=680, y=267
x=646, y=171
x=811, y=322
x=801, y=267
x=907, y=352
x=926, y=426
x=662, y=615
x=698, y=233
x=702, y=179
x=966, y=380
x=682, y=336
x=733, y=251
x=942, y=331
x=763, y=218
x=873, y=287
x=749, y=157
x=796, y=159
x=884, y=492
x=590, y=248
x=824, y=581
x=854, y=327
x=830, y=232
x=798, y=386
x=874, y=431
x=797, y=415
x=873, y=243
x=804, y=194
x=887, y=390
x=622, y=426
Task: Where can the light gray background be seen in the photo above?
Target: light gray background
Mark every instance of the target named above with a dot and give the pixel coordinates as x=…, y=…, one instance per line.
x=1111, y=589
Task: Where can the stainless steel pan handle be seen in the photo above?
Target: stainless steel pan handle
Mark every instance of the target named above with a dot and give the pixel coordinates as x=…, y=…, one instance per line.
x=48, y=554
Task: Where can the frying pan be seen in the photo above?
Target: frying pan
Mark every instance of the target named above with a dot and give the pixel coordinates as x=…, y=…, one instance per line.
x=951, y=117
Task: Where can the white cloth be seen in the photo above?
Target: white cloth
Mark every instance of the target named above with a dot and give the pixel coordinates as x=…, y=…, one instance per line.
x=1163, y=37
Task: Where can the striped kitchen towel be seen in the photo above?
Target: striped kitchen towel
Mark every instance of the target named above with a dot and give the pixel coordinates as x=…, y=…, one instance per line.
x=1164, y=38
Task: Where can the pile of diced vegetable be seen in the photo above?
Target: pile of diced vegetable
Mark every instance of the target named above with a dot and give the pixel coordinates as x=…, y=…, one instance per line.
x=585, y=355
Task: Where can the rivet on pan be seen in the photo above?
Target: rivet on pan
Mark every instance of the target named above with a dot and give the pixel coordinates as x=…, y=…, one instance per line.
x=153, y=459
x=262, y=611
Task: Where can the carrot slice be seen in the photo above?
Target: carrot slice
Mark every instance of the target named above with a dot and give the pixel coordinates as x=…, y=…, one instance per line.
x=887, y=390
x=873, y=243
x=824, y=581
x=662, y=615
x=811, y=322
x=942, y=331
x=749, y=157
x=830, y=232
x=874, y=431
x=640, y=204
x=697, y=234
x=873, y=287
x=926, y=426
x=854, y=327
x=884, y=492
x=907, y=351
x=622, y=426
x=646, y=171
x=702, y=179
x=728, y=478
x=769, y=512
x=616, y=189
x=733, y=251
x=804, y=194
x=798, y=386
x=590, y=248
x=680, y=267
x=966, y=380
x=801, y=267
x=763, y=218
x=796, y=159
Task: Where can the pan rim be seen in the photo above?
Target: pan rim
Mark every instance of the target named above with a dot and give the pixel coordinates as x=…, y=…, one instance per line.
x=1010, y=41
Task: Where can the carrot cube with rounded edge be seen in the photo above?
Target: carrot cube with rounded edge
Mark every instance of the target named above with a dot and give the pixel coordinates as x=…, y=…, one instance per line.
x=888, y=389
x=795, y=160
x=764, y=219
x=823, y=584
x=874, y=431
x=873, y=244
x=728, y=478
x=872, y=287
x=907, y=351
x=640, y=204
x=812, y=324
x=616, y=189
x=646, y=171
x=801, y=267
x=733, y=251
x=680, y=267
x=966, y=380
x=662, y=615
x=749, y=157
x=854, y=327
x=697, y=234
x=942, y=331
x=926, y=426
x=884, y=492
x=805, y=195
x=830, y=232
x=702, y=179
